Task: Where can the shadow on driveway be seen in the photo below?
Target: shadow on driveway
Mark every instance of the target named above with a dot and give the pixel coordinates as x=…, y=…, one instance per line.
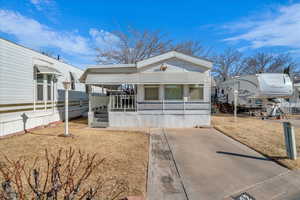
x=242, y=155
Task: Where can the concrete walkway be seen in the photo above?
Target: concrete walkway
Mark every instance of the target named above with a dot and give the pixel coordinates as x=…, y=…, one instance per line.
x=208, y=165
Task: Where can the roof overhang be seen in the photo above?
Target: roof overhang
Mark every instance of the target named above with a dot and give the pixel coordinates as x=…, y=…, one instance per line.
x=147, y=78
x=108, y=69
x=43, y=69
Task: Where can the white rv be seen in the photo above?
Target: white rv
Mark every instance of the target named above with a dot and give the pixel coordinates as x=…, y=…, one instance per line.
x=255, y=91
x=31, y=89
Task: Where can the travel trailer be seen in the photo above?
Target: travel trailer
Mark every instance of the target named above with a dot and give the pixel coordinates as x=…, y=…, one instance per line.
x=31, y=89
x=255, y=92
x=168, y=90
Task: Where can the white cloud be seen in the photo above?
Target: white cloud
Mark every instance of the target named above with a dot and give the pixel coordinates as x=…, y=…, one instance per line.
x=104, y=39
x=39, y=4
x=69, y=44
x=31, y=33
x=281, y=28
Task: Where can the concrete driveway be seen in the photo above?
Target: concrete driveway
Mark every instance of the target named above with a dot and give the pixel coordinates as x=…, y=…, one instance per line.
x=212, y=166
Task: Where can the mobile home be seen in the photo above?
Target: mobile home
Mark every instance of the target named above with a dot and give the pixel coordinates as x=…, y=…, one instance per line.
x=168, y=90
x=31, y=89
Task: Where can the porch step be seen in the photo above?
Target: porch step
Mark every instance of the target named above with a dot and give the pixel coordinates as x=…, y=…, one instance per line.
x=100, y=124
x=101, y=119
x=99, y=115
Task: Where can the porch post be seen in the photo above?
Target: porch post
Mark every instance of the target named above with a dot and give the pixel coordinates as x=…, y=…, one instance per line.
x=90, y=113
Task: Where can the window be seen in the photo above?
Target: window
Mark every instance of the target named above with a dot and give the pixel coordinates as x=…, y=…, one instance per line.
x=40, y=87
x=44, y=88
x=173, y=92
x=196, y=92
x=151, y=92
x=49, y=88
x=72, y=81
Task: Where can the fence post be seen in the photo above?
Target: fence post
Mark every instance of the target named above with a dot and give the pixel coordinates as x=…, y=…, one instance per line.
x=290, y=143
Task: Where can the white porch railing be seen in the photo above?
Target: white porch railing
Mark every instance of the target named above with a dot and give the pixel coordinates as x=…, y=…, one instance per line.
x=124, y=103
x=128, y=103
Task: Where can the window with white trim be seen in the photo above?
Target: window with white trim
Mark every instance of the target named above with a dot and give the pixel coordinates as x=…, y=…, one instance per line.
x=173, y=92
x=151, y=92
x=196, y=92
x=44, y=87
x=40, y=87
x=49, y=86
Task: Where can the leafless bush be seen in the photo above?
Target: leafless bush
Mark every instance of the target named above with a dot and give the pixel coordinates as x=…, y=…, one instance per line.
x=67, y=175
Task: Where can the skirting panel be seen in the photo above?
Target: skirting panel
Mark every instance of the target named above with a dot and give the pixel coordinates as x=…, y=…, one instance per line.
x=21, y=121
x=134, y=119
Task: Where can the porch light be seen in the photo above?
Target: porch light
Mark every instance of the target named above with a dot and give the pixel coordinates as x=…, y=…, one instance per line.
x=163, y=67
x=67, y=84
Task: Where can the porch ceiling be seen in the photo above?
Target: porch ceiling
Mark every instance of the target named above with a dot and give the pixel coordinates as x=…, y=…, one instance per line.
x=147, y=78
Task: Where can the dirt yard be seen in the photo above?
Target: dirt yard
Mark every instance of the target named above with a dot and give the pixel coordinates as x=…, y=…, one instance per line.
x=125, y=152
x=266, y=137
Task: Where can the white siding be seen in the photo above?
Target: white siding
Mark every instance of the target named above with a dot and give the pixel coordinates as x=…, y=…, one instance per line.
x=174, y=65
x=17, y=86
x=16, y=64
x=17, y=74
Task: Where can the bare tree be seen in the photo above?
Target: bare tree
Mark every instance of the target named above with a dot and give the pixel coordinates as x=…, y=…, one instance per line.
x=192, y=48
x=262, y=62
x=227, y=64
x=135, y=45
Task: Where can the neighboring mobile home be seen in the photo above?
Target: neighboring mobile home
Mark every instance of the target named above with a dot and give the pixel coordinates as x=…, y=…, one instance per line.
x=168, y=90
x=31, y=89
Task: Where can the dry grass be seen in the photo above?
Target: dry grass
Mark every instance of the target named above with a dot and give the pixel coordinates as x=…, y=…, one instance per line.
x=125, y=152
x=264, y=136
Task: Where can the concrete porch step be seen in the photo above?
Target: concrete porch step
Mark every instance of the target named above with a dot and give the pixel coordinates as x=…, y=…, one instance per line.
x=101, y=119
x=101, y=115
x=100, y=124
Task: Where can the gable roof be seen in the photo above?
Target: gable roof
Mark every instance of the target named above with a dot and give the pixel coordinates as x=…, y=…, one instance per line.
x=174, y=54
x=133, y=68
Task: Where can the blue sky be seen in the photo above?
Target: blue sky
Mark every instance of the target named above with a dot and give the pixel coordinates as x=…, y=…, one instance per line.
x=74, y=28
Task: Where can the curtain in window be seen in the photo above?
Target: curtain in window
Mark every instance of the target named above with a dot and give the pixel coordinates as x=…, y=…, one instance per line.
x=196, y=92
x=49, y=88
x=151, y=92
x=173, y=92
x=40, y=87
x=40, y=93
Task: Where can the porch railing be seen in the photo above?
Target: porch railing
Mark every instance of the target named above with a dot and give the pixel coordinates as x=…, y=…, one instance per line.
x=129, y=103
x=124, y=103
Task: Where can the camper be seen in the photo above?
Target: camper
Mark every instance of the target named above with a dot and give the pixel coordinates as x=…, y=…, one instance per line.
x=167, y=90
x=255, y=92
x=31, y=89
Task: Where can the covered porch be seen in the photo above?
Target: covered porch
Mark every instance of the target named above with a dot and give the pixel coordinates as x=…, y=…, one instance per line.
x=132, y=105
x=170, y=90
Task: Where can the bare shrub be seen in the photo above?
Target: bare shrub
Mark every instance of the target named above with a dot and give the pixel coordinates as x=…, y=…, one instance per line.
x=66, y=174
